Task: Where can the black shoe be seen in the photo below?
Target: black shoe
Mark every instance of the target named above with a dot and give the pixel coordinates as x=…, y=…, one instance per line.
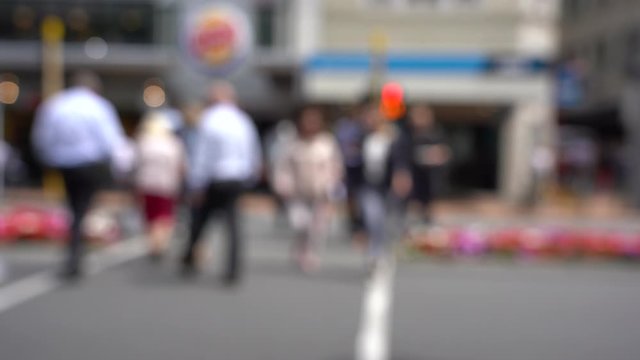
x=230, y=281
x=155, y=257
x=188, y=266
x=70, y=274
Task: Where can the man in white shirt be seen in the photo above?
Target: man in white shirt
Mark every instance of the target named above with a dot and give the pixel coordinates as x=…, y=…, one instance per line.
x=227, y=160
x=78, y=132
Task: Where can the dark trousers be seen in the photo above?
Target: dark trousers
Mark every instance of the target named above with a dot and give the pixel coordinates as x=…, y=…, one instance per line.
x=81, y=185
x=355, y=180
x=220, y=197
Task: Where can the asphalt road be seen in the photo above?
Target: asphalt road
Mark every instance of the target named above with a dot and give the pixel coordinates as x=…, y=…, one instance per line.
x=482, y=310
x=504, y=311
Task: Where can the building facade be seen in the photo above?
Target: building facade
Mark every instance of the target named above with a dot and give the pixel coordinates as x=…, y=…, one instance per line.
x=131, y=42
x=600, y=52
x=483, y=64
x=135, y=45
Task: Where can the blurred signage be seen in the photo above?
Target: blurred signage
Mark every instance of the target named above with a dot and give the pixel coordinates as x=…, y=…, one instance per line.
x=430, y=63
x=515, y=65
x=216, y=38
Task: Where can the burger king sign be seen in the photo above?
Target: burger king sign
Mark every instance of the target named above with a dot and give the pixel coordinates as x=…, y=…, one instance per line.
x=216, y=38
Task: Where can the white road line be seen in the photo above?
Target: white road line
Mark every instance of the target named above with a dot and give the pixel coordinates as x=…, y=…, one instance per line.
x=24, y=290
x=41, y=283
x=373, y=338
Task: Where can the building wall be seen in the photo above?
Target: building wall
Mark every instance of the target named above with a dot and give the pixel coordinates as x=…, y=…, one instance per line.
x=482, y=26
x=483, y=49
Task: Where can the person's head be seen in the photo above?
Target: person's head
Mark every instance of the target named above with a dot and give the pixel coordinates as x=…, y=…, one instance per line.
x=155, y=123
x=371, y=117
x=222, y=92
x=87, y=79
x=363, y=105
x=191, y=113
x=310, y=121
x=421, y=117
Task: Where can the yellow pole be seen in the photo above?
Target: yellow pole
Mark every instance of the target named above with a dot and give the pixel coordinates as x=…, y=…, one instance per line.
x=52, y=32
x=378, y=44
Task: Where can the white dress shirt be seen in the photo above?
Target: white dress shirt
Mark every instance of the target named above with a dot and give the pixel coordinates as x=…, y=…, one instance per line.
x=75, y=128
x=228, y=148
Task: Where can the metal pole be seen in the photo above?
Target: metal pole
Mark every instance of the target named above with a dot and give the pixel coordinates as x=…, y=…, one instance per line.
x=52, y=82
x=378, y=43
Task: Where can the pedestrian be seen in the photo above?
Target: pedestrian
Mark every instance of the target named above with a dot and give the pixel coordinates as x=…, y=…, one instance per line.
x=386, y=175
x=189, y=129
x=5, y=154
x=277, y=141
x=78, y=132
x=429, y=153
x=160, y=170
x=188, y=132
x=350, y=133
x=12, y=167
x=309, y=177
x=227, y=160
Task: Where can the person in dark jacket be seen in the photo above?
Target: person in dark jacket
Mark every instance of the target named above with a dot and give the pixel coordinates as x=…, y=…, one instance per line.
x=428, y=154
x=386, y=174
x=350, y=133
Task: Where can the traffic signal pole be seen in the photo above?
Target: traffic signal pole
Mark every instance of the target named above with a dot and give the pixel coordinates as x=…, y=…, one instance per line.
x=378, y=45
x=52, y=82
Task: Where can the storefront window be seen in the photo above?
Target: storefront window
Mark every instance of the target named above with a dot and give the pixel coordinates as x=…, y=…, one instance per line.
x=265, y=25
x=113, y=22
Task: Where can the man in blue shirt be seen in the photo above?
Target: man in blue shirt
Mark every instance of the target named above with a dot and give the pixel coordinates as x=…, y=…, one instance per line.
x=227, y=159
x=78, y=132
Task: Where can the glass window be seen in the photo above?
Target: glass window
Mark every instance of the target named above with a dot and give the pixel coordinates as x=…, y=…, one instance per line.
x=114, y=22
x=632, y=53
x=265, y=25
x=20, y=22
x=601, y=55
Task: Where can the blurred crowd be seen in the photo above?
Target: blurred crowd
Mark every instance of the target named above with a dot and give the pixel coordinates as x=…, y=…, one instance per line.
x=205, y=155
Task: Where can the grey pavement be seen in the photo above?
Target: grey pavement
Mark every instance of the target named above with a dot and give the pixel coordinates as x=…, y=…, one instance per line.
x=20, y=261
x=136, y=312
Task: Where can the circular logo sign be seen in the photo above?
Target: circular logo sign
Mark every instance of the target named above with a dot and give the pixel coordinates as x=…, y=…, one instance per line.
x=217, y=38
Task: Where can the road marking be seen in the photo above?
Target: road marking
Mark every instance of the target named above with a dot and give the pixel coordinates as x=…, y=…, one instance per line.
x=373, y=338
x=41, y=283
x=24, y=290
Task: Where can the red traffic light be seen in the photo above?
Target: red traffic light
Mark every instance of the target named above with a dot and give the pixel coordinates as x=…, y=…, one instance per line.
x=392, y=92
x=392, y=101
